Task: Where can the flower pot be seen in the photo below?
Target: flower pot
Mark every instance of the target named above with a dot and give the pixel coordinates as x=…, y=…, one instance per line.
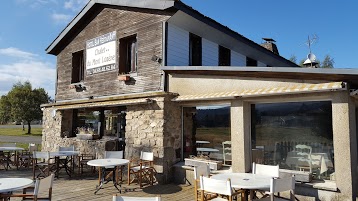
x=124, y=77
x=84, y=136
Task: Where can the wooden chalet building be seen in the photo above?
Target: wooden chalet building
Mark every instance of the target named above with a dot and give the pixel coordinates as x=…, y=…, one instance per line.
x=141, y=74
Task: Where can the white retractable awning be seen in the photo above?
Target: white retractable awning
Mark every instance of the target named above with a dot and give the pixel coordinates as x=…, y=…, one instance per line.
x=297, y=89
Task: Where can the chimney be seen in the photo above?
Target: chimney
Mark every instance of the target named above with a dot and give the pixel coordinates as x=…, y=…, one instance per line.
x=270, y=45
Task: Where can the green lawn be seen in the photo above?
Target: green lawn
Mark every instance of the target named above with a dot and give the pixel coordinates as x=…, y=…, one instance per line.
x=20, y=132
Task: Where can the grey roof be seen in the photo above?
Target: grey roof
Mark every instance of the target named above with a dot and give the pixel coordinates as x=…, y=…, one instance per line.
x=161, y=5
x=149, y=4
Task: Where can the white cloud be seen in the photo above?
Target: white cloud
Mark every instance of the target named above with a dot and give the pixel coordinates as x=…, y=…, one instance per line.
x=61, y=18
x=35, y=3
x=14, y=52
x=75, y=5
x=38, y=73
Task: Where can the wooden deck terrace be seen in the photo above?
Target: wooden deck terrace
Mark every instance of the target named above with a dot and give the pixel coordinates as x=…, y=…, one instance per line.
x=78, y=188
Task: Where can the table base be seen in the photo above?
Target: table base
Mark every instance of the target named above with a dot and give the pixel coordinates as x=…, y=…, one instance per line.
x=102, y=176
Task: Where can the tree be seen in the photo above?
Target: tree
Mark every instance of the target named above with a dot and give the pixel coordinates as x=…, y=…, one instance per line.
x=293, y=59
x=25, y=103
x=4, y=110
x=328, y=62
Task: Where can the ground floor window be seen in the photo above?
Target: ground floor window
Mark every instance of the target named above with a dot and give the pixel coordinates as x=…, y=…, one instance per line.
x=100, y=121
x=296, y=136
x=207, y=133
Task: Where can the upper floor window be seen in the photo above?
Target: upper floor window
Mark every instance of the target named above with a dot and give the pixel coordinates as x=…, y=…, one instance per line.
x=250, y=62
x=128, y=55
x=224, y=56
x=195, y=49
x=78, y=67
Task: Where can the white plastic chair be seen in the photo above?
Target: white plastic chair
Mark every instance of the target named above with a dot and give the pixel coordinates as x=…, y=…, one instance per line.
x=125, y=198
x=218, y=187
x=280, y=185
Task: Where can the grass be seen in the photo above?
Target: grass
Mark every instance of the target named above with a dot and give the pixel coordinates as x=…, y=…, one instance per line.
x=215, y=135
x=20, y=132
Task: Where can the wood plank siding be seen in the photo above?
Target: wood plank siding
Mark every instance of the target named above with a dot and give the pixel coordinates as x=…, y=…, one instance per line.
x=146, y=25
x=210, y=53
x=237, y=59
x=178, y=46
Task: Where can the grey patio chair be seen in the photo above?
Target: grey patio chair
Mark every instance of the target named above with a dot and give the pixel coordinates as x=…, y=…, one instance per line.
x=119, y=172
x=66, y=161
x=25, y=157
x=41, y=161
x=201, y=170
x=41, y=191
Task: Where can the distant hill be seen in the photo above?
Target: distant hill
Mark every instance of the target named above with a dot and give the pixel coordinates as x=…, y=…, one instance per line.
x=213, y=117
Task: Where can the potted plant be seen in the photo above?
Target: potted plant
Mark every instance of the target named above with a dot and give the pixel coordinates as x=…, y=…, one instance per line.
x=124, y=77
x=84, y=133
x=92, y=132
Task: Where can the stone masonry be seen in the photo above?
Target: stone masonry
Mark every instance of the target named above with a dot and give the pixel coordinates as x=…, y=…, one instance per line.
x=154, y=127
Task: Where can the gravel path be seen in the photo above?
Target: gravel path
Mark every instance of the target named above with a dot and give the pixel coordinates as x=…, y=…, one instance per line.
x=22, y=139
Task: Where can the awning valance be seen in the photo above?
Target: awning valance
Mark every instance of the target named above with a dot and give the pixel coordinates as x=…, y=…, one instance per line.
x=105, y=103
x=300, y=88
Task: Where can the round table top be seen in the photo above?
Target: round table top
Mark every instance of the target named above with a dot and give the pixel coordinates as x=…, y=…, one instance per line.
x=12, y=184
x=64, y=153
x=11, y=149
x=204, y=149
x=202, y=142
x=107, y=162
x=246, y=180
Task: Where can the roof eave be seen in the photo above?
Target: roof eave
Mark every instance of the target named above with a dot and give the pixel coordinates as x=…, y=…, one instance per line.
x=346, y=75
x=196, y=14
x=148, y=4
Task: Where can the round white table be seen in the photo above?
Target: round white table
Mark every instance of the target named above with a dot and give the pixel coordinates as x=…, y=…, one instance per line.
x=12, y=184
x=102, y=163
x=205, y=149
x=247, y=181
x=202, y=142
x=14, y=149
x=11, y=149
x=63, y=153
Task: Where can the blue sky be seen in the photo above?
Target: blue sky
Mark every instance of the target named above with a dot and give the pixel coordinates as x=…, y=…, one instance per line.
x=27, y=27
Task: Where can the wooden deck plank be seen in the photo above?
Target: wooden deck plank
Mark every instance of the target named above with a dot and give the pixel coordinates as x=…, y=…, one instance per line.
x=82, y=189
